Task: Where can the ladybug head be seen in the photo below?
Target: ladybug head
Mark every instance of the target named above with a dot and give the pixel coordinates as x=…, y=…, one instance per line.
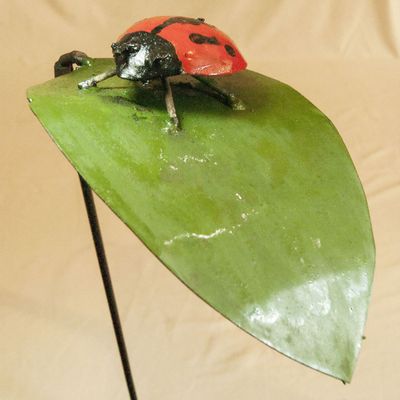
x=142, y=56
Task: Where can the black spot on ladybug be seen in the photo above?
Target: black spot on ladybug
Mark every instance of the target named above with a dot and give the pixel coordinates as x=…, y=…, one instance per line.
x=201, y=39
x=177, y=20
x=230, y=50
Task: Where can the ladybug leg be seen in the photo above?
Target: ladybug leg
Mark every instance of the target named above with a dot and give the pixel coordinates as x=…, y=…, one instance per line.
x=169, y=102
x=229, y=98
x=66, y=62
x=94, y=80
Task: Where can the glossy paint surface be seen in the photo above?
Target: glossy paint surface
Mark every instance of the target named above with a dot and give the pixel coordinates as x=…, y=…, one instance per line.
x=197, y=59
x=260, y=212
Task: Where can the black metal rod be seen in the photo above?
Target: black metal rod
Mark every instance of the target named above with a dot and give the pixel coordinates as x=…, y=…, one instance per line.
x=63, y=66
x=105, y=274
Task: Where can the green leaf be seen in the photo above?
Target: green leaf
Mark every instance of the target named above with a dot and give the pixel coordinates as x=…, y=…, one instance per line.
x=260, y=212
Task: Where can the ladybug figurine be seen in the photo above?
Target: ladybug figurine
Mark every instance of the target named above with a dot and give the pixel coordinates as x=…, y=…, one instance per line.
x=161, y=47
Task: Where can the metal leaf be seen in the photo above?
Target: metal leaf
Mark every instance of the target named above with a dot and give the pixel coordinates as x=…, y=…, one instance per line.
x=260, y=212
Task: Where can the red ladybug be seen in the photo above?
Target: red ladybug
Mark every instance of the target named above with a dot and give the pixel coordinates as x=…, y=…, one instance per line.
x=160, y=47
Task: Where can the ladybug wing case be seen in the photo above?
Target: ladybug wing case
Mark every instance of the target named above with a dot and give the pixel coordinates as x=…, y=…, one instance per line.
x=201, y=48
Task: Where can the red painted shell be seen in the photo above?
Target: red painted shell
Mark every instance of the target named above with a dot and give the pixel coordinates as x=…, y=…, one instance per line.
x=220, y=57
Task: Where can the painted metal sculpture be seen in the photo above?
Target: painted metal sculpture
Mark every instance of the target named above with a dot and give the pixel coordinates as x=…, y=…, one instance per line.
x=249, y=209
x=162, y=47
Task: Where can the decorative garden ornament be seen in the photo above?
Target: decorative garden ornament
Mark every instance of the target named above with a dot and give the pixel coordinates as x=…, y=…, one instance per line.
x=260, y=212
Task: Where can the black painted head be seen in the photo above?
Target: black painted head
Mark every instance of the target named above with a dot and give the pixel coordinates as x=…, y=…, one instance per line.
x=142, y=56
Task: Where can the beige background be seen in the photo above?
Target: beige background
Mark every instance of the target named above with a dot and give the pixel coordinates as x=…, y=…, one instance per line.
x=56, y=340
